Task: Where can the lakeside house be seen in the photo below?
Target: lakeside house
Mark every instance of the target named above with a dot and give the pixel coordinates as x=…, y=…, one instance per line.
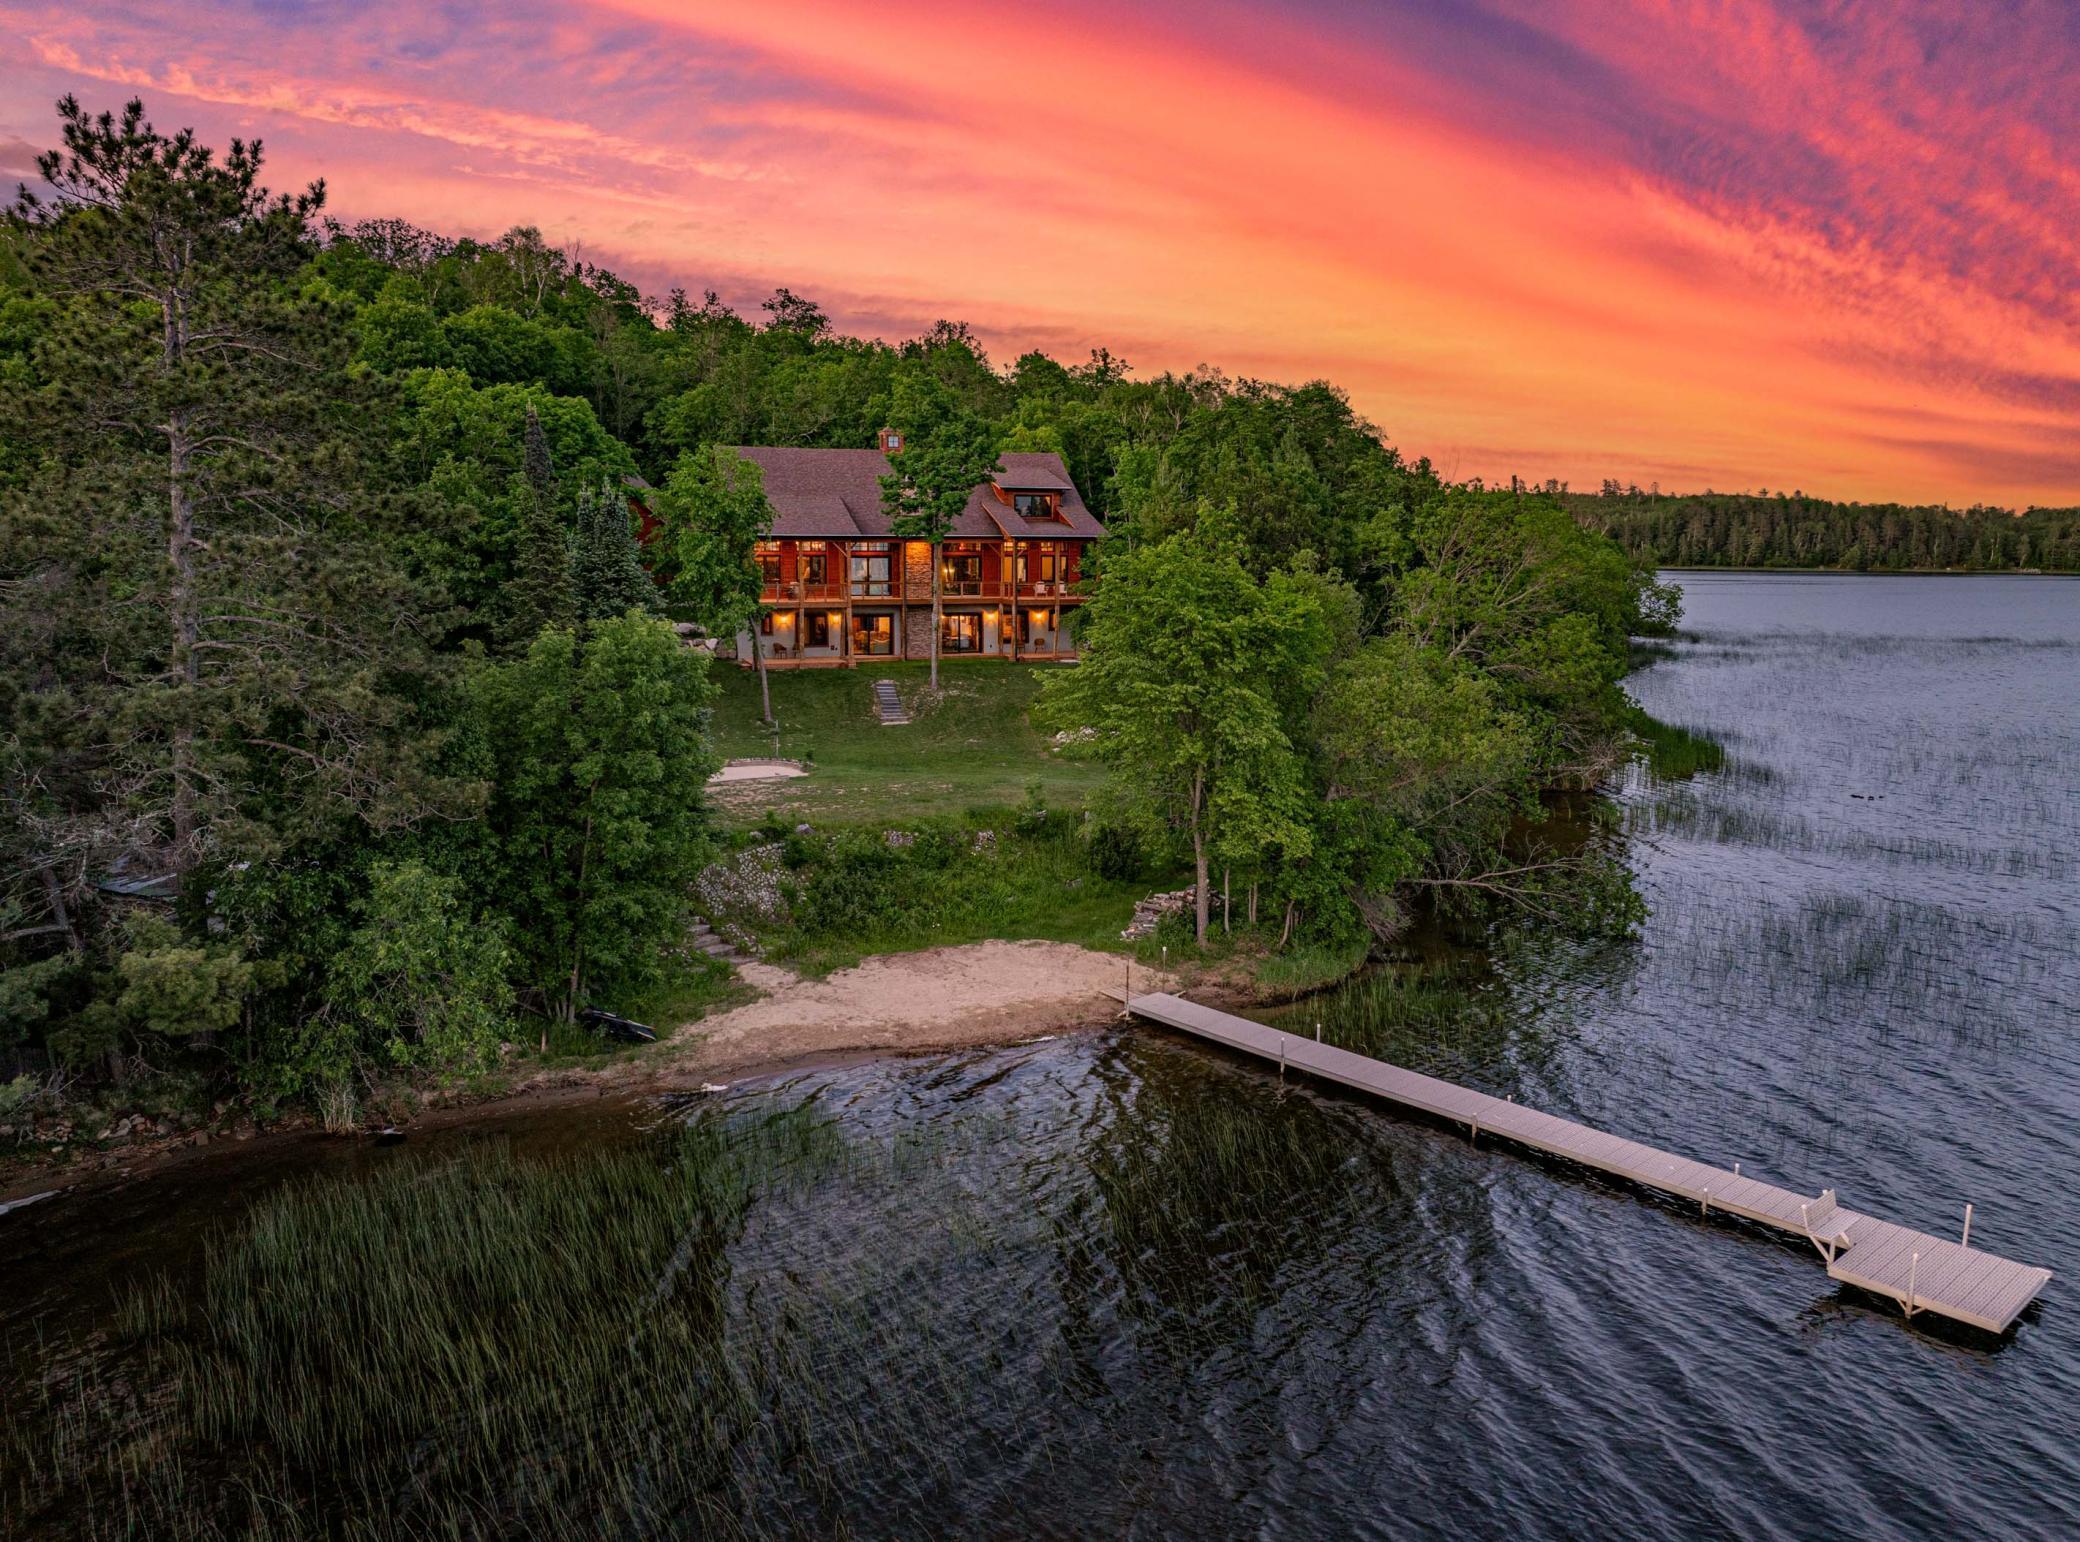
x=840, y=587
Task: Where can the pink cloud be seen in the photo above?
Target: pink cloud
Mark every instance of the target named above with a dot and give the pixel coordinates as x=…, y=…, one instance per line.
x=1602, y=237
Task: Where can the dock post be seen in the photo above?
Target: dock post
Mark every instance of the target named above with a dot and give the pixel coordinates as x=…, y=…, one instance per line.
x=1281, y=1057
x=1913, y=1274
x=1318, y=1030
x=1736, y=1169
x=1966, y=1240
x=1706, y=1207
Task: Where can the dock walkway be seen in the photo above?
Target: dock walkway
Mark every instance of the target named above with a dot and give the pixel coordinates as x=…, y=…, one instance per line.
x=1923, y=1273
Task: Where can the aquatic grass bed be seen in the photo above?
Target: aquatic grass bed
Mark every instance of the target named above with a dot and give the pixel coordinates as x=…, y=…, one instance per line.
x=1672, y=751
x=1308, y=969
x=478, y=1347
x=751, y=1326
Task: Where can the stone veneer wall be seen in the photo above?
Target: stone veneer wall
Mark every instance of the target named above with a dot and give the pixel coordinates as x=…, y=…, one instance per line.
x=917, y=585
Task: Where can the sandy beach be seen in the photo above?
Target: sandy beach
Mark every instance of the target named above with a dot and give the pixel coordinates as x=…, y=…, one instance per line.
x=898, y=1003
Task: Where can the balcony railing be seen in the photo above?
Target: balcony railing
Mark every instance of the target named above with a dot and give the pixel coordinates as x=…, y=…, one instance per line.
x=798, y=589
x=891, y=590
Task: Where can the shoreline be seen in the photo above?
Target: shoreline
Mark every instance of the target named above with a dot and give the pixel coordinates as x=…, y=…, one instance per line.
x=1880, y=572
x=889, y=1006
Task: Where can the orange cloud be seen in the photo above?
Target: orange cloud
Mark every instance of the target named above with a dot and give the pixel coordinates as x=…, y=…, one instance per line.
x=1608, y=237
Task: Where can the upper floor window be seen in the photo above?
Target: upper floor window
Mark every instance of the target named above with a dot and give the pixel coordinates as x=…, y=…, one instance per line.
x=870, y=572
x=1034, y=505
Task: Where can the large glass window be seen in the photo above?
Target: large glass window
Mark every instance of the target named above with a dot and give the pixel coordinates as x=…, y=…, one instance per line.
x=870, y=573
x=960, y=632
x=814, y=567
x=873, y=635
x=1039, y=565
x=819, y=629
x=960, y=572
x=1034, y=505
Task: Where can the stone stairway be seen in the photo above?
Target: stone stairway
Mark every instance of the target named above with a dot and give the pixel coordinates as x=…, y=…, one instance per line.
x=704, y=938
x=889, y=705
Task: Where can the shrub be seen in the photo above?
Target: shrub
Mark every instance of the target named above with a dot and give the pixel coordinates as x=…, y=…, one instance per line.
x=1118, y=853
x=420, y=982
x=426, y=980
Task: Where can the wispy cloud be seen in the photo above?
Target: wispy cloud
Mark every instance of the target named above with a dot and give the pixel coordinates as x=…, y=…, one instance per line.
x=1826, y=242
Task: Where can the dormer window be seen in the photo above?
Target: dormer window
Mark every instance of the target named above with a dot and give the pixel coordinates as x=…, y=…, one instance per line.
x=1036, y=505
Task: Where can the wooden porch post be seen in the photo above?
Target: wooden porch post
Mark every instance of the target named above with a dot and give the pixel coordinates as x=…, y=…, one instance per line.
x=845, y=591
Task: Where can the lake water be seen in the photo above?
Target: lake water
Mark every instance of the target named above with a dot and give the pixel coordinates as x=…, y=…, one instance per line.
x=1118, y=1284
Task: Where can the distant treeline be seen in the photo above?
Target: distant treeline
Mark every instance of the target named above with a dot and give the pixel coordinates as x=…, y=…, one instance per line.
x=1791, y=530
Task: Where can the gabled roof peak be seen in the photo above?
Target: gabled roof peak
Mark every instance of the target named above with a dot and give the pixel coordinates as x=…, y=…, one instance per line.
x=837, y=493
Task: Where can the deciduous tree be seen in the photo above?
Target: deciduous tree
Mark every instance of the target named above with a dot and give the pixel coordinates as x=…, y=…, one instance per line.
x=947, y=452
x=713, y=512
x=597, y=825
x=1186, y=657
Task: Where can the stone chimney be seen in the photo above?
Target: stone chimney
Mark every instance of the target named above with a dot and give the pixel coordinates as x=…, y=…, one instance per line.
x=888, y=442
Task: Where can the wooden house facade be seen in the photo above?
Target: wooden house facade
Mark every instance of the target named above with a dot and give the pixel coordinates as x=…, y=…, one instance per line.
x=841, y=589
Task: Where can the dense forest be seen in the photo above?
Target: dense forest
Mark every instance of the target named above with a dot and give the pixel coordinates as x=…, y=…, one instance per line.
x=1791, y=530
x=348, y=730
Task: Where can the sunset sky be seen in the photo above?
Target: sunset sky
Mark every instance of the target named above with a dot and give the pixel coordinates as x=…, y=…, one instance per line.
x=1813, y=244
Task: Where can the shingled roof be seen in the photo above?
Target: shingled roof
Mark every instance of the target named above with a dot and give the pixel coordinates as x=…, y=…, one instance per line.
x=836, y=494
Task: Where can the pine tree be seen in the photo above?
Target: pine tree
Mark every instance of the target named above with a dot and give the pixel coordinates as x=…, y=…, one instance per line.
x=608, y=574
x=534, y=458
x=542, y=592
x=214, y=524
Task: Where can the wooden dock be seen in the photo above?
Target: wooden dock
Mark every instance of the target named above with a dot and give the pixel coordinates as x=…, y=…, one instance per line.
x=1923, y=1273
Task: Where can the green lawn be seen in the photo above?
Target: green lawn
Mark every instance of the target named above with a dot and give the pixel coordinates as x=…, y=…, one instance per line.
x=972, y=746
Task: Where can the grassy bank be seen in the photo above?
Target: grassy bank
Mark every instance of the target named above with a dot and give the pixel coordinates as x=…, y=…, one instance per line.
x=972, y=745
x=826, y=899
